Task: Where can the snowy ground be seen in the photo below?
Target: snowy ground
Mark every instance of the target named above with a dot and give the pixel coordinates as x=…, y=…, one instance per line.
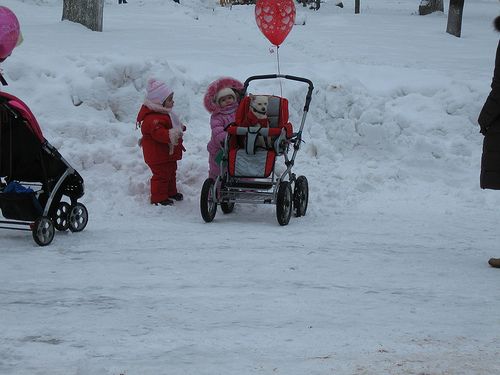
x=386, y=274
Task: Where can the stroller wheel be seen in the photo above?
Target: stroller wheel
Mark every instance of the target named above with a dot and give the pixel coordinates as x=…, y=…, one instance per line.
x=284, y=203
x=78, y=218
x=226, y=207
x=300, y=196
x=43, y=231
x=61, y=216
x=208, y=203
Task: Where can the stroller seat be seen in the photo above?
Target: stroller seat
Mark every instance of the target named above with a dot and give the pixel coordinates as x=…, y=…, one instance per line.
x=253, y=147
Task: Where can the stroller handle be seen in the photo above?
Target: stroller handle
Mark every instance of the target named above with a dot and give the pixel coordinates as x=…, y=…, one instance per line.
x=292, y=78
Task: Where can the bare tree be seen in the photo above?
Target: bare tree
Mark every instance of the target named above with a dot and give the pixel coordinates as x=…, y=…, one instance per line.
x=86, y=12
x=455, y=13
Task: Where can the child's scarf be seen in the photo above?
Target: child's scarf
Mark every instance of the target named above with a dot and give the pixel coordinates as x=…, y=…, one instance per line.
x=174, y=118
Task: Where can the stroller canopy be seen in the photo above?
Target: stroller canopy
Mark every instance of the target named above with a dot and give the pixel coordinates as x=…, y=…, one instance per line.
x=16, y=104
x=24, y=152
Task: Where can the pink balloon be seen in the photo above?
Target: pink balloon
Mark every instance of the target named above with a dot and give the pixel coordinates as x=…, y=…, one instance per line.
x=275, y=19
x=9, y=31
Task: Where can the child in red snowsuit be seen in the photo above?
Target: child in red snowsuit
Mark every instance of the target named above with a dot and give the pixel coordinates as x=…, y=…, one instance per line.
x=161, y=141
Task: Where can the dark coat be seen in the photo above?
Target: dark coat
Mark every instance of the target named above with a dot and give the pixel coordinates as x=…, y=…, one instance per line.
x=489, y=121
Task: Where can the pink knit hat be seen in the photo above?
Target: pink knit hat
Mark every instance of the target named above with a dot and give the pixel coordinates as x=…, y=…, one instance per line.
x=157, y=91
x=9, y=32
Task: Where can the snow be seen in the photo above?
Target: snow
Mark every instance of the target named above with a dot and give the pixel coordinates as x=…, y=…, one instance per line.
x=386, y=274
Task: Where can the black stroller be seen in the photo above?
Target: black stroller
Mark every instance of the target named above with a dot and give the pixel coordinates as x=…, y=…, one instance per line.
x=34, y=178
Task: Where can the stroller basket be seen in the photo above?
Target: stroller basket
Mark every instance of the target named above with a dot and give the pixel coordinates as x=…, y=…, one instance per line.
x=20, y=206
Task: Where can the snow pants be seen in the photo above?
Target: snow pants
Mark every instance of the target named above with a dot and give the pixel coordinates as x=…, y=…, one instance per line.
x=213, y=167
x=163, y=181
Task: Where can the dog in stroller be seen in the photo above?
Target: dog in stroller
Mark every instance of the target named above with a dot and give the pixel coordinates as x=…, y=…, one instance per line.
x=258, y=137
x=34, y=178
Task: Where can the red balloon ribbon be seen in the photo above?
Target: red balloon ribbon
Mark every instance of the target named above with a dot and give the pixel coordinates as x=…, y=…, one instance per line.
x=275, y=19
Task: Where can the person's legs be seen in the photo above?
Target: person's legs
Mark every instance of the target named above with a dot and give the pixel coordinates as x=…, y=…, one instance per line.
x=159, y=182
x=172, y=184
x=490, y=161
x=213, y=167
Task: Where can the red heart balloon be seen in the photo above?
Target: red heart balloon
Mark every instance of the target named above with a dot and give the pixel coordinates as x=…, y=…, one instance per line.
x=275, y=19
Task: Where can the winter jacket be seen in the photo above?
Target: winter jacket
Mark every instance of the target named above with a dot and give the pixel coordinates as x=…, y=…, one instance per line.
x=490, y=114
x=219, y=121
x=489, y=121
x=157, y=139
x=220, y=117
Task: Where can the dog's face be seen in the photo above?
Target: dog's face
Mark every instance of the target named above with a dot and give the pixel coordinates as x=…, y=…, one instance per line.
x=258, y=105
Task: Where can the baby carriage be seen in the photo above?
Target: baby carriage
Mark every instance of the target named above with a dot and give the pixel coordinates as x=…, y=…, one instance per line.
x=249, y=157
x=34, y=178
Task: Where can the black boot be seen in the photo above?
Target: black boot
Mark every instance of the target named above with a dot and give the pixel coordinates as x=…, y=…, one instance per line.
x=494, y=262
x=177, y=197
x=165, y=202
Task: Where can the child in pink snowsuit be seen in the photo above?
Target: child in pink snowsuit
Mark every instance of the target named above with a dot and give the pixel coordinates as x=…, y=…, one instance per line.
x=221, y=100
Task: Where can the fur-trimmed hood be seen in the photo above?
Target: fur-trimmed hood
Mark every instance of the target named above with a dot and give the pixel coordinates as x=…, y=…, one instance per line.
x=217, y=85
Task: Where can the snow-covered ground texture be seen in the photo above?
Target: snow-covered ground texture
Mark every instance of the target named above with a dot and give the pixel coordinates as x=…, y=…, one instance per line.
x=387, y=272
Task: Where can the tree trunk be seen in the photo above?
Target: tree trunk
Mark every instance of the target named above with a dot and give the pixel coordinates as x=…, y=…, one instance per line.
x=429, y=6
x=86, y=12
x=455, y=17
x=356, y=6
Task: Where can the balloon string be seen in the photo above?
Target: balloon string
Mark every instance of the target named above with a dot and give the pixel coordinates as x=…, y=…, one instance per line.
x=279, y=71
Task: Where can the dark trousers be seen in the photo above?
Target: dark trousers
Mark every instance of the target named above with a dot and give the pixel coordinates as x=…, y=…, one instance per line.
x=490, y=160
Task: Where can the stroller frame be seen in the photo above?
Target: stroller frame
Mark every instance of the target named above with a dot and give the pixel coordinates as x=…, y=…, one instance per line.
x=285, y=190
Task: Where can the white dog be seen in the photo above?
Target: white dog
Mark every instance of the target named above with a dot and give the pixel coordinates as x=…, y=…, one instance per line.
x=258, y=116
x=258, y=105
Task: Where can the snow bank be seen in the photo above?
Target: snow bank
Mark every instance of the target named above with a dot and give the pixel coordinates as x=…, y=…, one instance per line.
x=372, y=131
